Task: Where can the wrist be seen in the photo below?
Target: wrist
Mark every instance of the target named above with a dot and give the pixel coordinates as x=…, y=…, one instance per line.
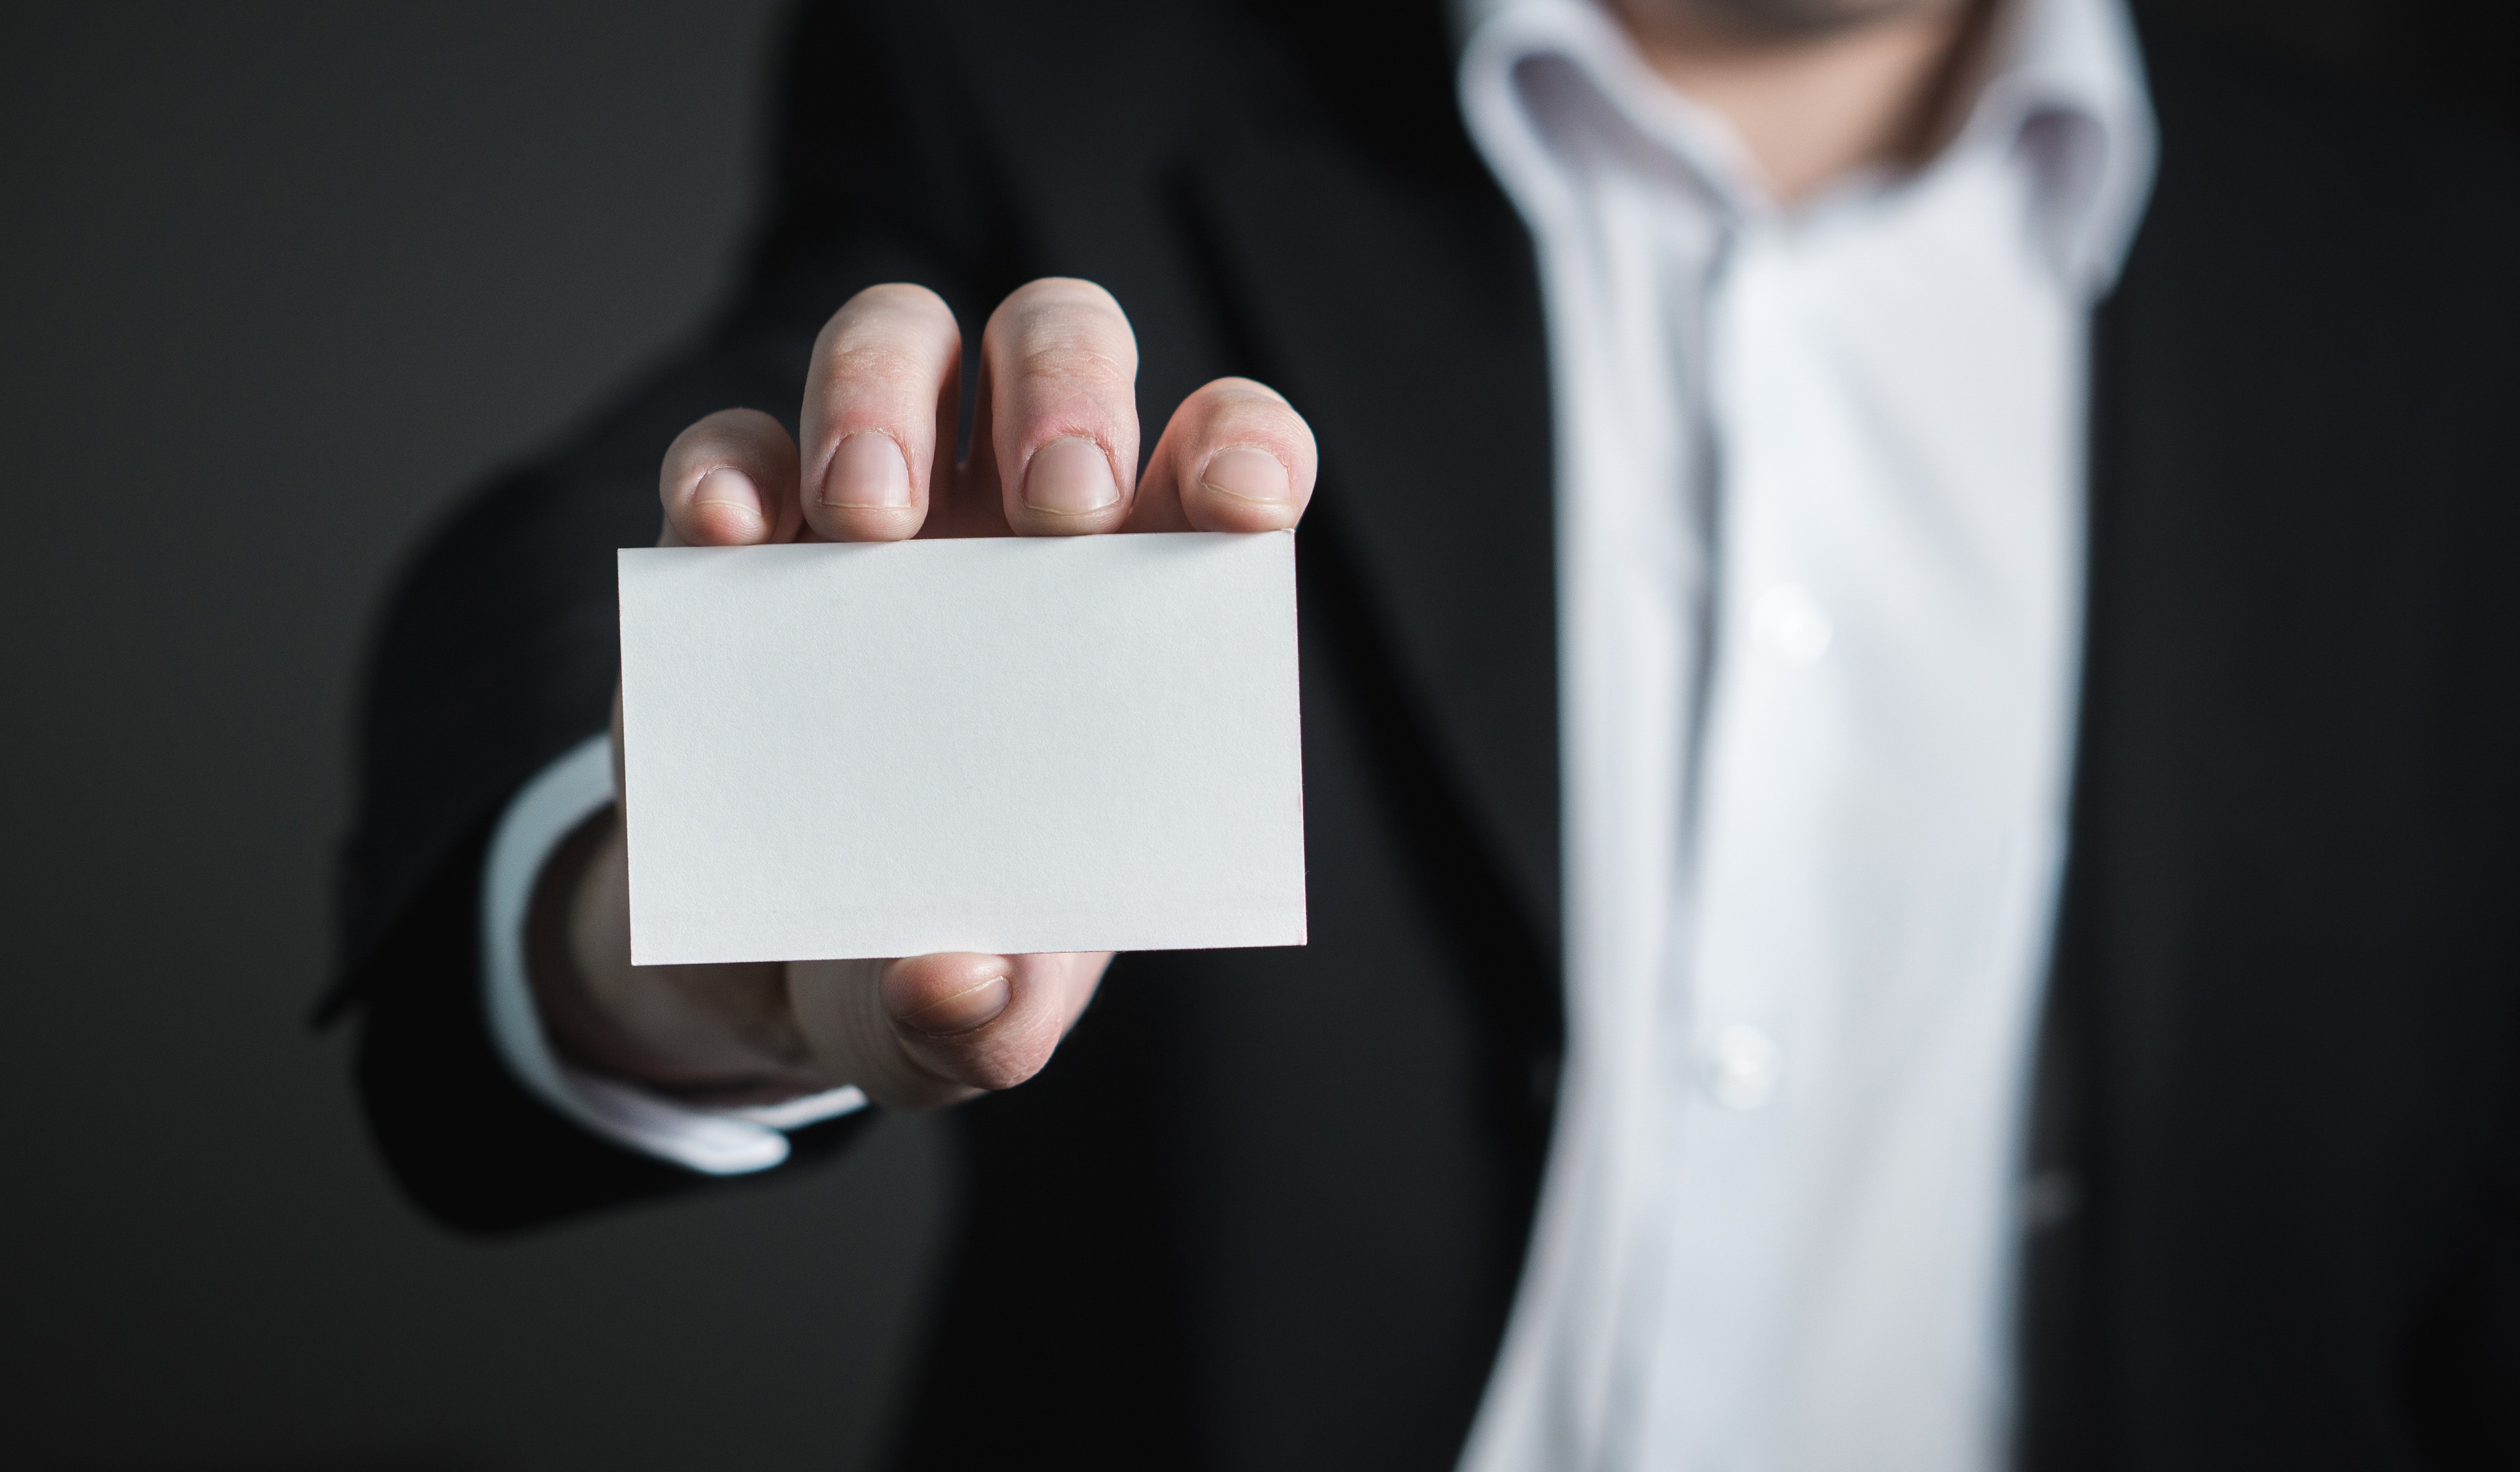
x=715, y=1034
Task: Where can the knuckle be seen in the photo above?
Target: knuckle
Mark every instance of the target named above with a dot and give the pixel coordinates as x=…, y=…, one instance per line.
x=874, y=361
x=1069, y=356
x=1001, y=1057
x=1004, y=1068
x=1064, y=330
x=728, y=433
x=748, y=440
x=1239, y=411
x=892, y=335
x=691, y=445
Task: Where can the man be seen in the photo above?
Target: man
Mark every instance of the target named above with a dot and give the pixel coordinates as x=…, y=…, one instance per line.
x=1904, y=699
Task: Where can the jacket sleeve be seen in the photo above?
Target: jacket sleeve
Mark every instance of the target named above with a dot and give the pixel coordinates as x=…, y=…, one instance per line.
x=498, y=648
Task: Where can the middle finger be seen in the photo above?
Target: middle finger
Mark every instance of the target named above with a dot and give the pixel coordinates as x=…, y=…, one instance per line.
x=1058, y=409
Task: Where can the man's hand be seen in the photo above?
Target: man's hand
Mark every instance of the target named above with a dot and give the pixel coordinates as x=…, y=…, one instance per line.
x=1053, y=453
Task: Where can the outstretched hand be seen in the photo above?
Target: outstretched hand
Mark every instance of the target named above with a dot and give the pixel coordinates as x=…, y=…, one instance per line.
x=1053, y=453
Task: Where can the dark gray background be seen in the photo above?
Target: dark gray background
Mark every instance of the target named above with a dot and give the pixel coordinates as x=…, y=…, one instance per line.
x=275, y=282
x=280, y=280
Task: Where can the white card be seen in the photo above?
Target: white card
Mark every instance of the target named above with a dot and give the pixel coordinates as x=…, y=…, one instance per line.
x=1000, y=744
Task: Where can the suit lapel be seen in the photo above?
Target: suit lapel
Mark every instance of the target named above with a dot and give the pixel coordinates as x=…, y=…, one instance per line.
x=1399, y=309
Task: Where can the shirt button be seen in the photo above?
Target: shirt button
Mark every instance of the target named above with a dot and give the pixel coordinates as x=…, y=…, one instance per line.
x=1788, y=623
x=1742, y=1068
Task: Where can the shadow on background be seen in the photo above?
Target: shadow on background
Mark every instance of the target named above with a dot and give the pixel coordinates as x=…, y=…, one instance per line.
x=280, y=280
x=2460, y=56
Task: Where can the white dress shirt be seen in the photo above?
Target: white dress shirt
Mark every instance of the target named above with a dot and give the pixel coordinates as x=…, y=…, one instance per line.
x=1820, y=479
x=1820, y=482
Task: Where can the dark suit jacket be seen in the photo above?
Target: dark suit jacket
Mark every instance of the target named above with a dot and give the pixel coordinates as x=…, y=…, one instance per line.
x=1290, y=1189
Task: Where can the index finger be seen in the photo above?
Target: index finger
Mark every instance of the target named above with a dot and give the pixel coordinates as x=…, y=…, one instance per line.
x=879, y=398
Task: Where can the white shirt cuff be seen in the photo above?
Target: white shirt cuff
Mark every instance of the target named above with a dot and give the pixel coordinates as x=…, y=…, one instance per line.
x=712, y=1141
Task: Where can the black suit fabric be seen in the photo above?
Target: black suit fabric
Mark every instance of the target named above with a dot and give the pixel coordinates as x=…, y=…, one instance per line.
x=1267, y=1209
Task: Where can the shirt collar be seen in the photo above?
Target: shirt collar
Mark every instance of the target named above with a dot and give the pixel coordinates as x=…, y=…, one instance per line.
x=2067, y=91
x=2071, y=94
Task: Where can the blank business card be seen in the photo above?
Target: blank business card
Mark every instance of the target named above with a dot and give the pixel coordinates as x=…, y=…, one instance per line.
x=1000, y=745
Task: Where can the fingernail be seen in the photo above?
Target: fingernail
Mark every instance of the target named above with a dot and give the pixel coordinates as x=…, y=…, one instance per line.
x=867, y=470
x=962, y=1012
x=725, y=485
x=1250, y=474
x=1070, y=477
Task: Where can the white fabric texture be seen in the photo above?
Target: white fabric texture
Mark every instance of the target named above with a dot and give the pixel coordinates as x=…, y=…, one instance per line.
x=1819, y=491
x=714, y=1142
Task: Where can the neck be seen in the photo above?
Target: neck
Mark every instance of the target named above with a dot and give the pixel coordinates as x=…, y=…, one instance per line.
x=1815, y=106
